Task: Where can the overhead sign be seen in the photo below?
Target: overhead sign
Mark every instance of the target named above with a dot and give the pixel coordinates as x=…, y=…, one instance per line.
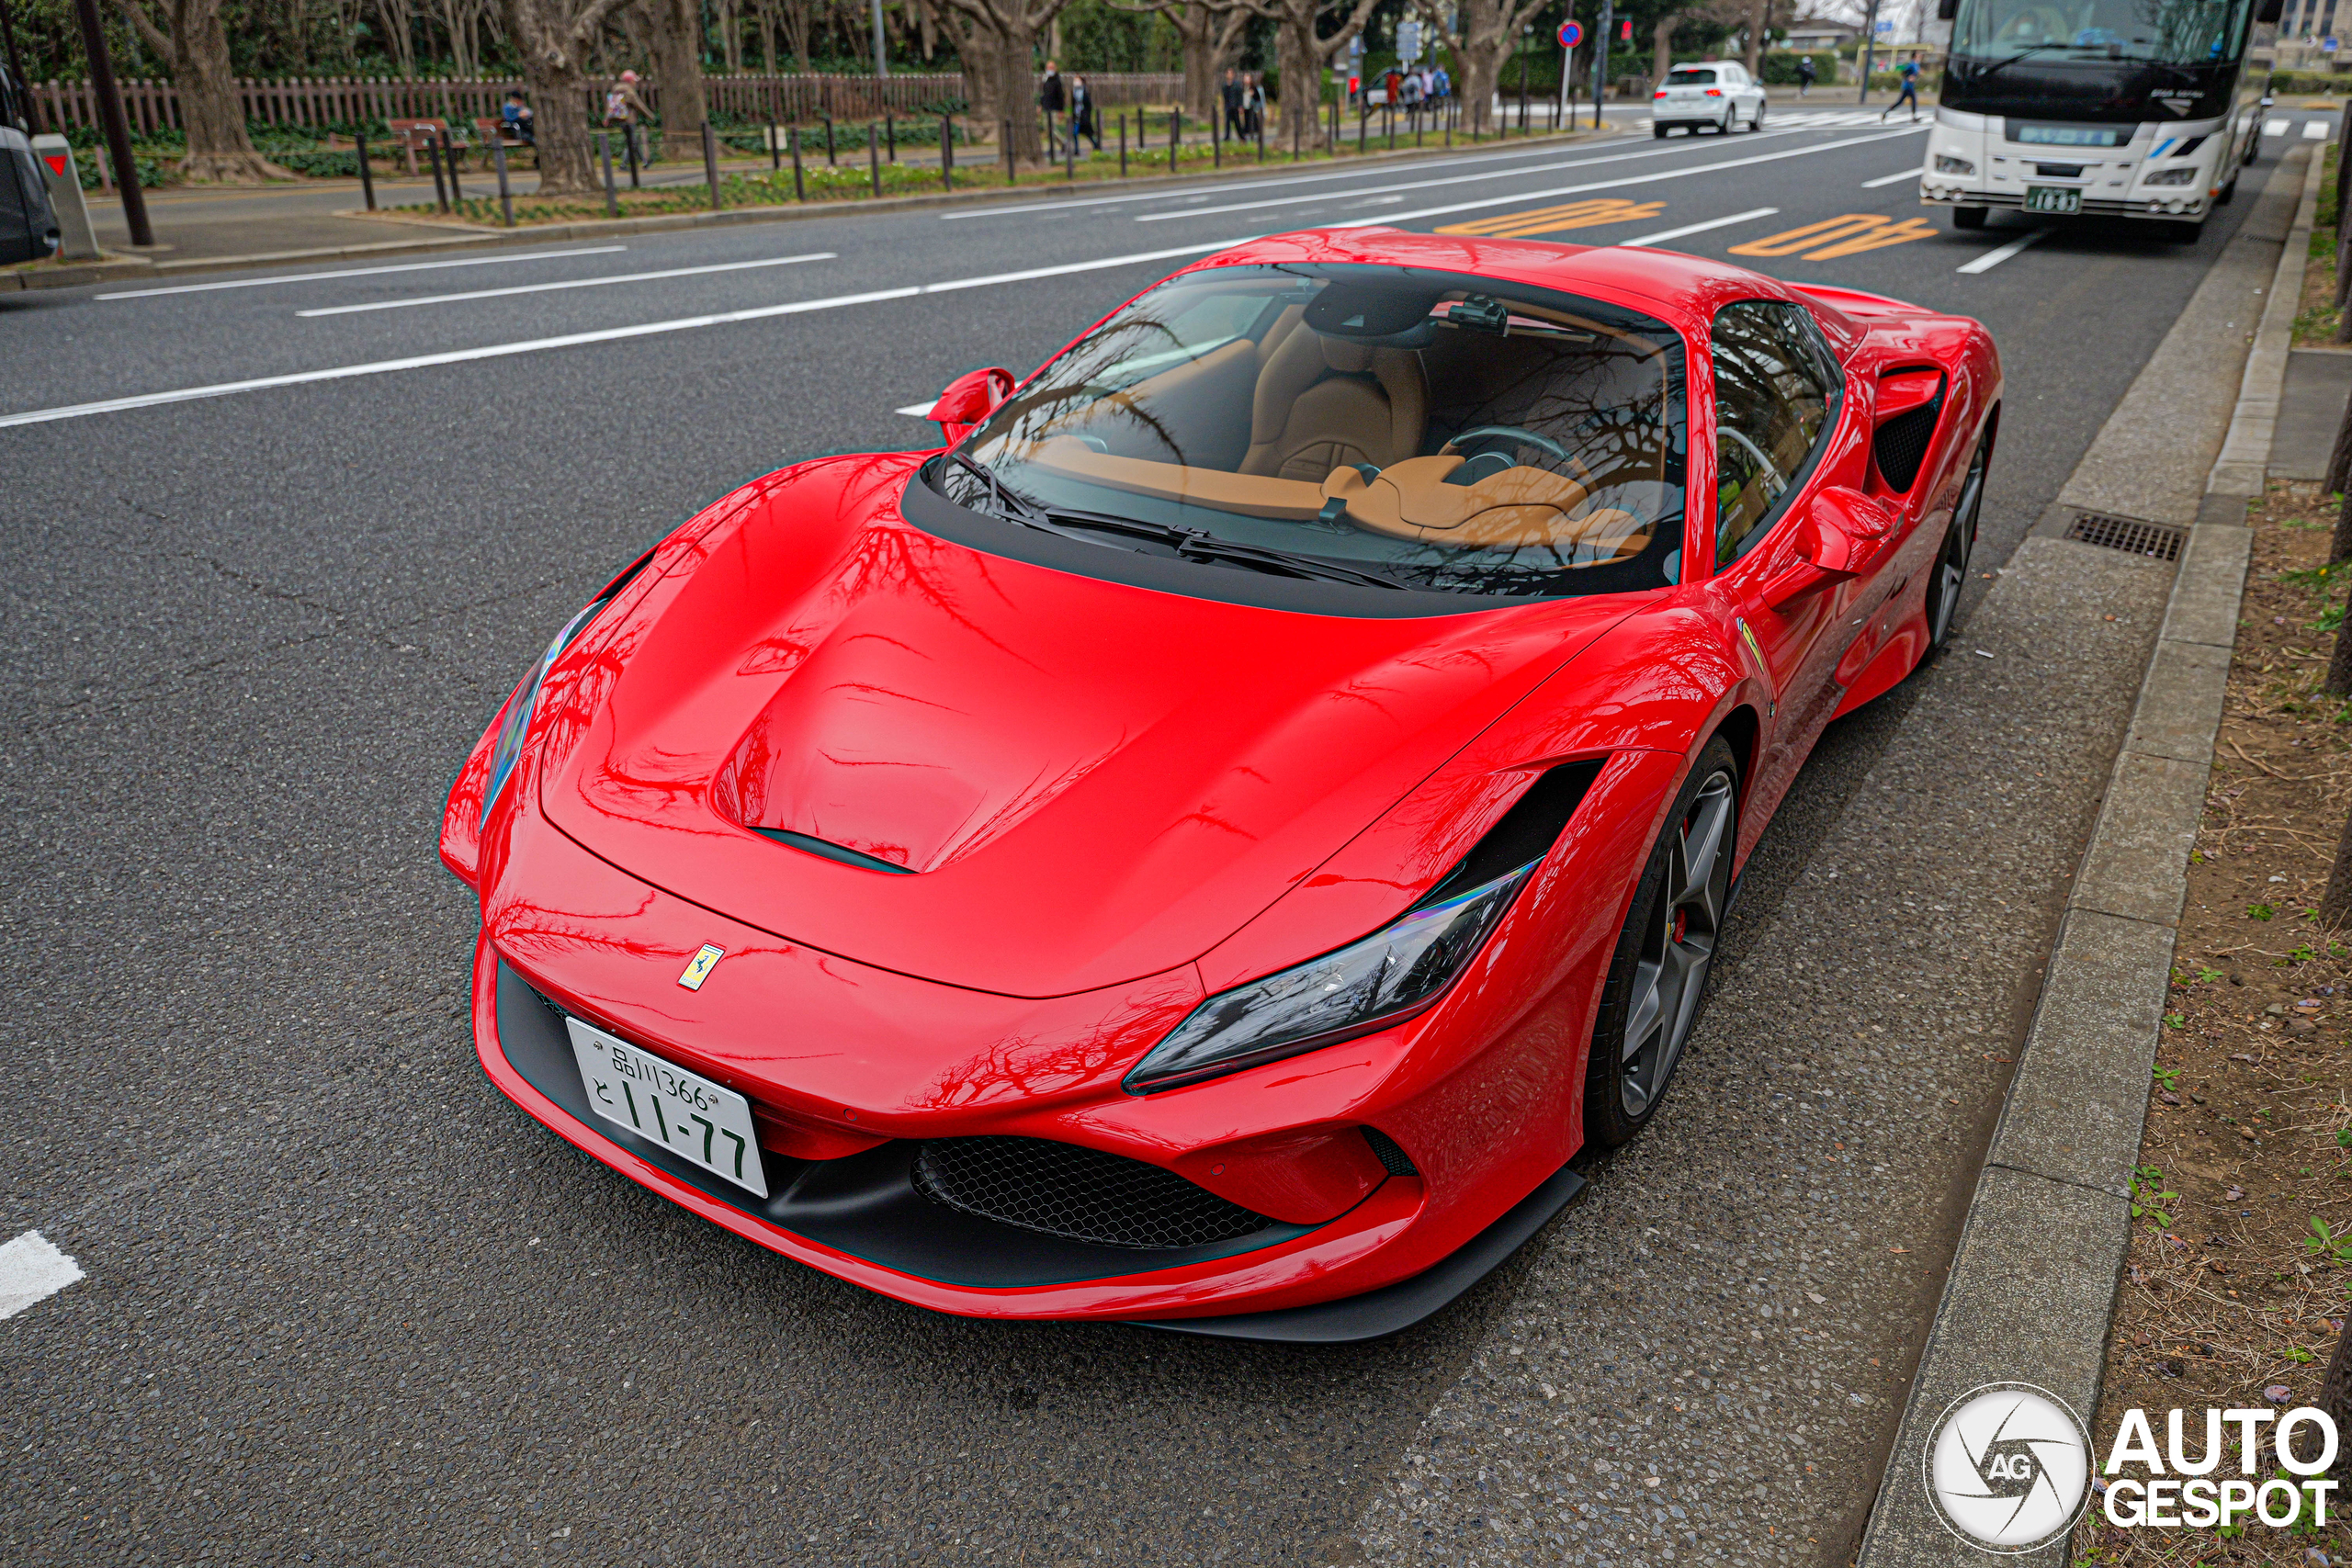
x=1887, y=27
x=1571, y=35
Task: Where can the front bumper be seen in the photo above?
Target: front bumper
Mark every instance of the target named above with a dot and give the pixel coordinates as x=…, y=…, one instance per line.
x=2183, y=205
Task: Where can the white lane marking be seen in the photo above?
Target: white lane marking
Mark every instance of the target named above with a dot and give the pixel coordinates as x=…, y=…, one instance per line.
x=565, y=282
x=357, y=271
x=918, y=410
x=1891, y=179
x=2315, y=130
x=607, y=334
x=1391, y=218
x=1488, y=156
x=1992, y=259
x=33, y=1269
x=2275, y=127
x=1424, y=184
x=1665, y=234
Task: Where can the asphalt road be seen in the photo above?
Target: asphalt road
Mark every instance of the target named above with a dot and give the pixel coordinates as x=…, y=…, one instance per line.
x=345, y=1305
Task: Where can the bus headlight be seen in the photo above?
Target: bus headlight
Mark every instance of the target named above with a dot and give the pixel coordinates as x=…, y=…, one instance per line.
x=1948, y=164
x=2173, y=177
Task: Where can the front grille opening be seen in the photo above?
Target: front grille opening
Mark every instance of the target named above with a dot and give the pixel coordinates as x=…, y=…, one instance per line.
x=2161, y=540
x=1078, y=1193
x=1901, y=445
x=1393, y=1159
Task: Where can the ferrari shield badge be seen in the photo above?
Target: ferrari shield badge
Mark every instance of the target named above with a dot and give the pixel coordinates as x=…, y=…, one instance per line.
x=698, y=968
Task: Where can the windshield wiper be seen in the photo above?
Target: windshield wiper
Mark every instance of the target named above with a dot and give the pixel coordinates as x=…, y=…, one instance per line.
x=1194, y=544
x=1987, y=70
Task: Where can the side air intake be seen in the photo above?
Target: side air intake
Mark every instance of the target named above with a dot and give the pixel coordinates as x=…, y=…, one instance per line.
x=1901, y=445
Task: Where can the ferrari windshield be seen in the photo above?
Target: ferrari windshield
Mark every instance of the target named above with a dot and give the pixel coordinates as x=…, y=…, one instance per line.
x=1385, y=426
x=2173, y=32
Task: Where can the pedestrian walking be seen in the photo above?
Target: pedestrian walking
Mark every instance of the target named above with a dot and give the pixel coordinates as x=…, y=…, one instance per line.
x=1054, y=100
x=1082, y=118
x=1231, y=94
x=1910, y=94
x=1807, y=72
x=626, y=110
x=1253, y=105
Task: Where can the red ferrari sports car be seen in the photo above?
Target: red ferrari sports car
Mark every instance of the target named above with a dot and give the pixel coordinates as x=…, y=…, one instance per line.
x=1210, y=844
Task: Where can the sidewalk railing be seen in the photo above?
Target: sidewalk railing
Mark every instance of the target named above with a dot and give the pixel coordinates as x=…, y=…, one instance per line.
x=347, y=100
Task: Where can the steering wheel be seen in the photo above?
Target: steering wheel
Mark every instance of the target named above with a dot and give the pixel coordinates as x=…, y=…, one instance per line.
x=1510, y=433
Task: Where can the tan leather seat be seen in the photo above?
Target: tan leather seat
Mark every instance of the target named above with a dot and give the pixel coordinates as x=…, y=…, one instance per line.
x=1323, y=401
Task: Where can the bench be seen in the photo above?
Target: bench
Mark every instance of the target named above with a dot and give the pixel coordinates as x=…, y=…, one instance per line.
x=415, y=136
x=494, y=132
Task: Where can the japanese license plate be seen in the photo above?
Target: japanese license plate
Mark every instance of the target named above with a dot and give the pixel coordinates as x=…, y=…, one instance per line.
x=2052, y=198
x=693, y=1117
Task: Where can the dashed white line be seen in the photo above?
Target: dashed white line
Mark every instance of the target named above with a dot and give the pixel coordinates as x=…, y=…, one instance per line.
x=1992, y=259
x=566, y=283
x=2275, y=127
x=32, y=1270
x=607, y=334
x=1665, y=234
x=358, y=272
x=2314, y=130
x=1891, y=179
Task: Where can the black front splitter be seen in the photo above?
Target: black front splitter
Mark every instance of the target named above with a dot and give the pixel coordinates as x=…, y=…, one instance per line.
x=1406, y=1302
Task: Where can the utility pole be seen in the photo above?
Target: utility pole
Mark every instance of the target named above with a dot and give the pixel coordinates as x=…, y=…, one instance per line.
x=881, y=54
x=1870, y=43
x=117, y=130
x=1601, y=59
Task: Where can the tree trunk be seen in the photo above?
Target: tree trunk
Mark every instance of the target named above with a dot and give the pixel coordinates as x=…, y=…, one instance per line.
x=1484, y=48
x=1016, y=91
x=1662, y=49
x=1195, y=28
x=212, y=110
x=567, y=155
x=677, y=71
x=1300, y=55
x=1759, y=22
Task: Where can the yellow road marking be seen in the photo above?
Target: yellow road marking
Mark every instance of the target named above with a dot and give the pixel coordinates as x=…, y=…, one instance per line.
x=1847, y=235
x=1555, y=219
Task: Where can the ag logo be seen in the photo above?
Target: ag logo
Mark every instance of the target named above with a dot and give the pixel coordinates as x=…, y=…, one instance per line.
x=2008, y=1467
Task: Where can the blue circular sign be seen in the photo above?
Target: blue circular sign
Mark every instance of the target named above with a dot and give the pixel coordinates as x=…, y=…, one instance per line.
x=1571, y=34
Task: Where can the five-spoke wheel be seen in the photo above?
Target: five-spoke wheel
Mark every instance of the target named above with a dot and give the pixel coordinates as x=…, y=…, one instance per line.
x=1960, y=545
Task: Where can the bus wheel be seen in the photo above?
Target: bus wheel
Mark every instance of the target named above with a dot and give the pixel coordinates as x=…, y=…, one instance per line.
x=1968, y=218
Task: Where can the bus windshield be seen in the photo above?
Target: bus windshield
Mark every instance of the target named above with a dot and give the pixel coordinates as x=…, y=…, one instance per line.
x=2171, y=32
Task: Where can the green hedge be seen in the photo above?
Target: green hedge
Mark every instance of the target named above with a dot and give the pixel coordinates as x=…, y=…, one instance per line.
x=2309, y=82
x=1780, y=70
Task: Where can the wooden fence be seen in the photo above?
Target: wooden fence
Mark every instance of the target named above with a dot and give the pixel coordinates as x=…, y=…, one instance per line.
x=319, y=102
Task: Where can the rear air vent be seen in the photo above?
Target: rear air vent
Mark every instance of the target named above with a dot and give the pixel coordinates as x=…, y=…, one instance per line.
x=808, y=845
x=2161, y=540
x=1901, y=445
x=1081, y=1194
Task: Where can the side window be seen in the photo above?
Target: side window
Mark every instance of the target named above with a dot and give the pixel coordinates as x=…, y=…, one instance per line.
x=1776, y=385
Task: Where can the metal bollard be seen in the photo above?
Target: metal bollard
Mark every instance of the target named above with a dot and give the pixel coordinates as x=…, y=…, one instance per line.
x=873, y=156
x=1005, y=138
x=947, y=151
x=710, y=163
x=612, y=196
x=830, y=161
x=440, y=191
x=505, y=197
x=366, y=178
x=890, y=130
x=776, y=148
x=799, y=185
x=1122, y=146
x=1175, y=137
x=456, y=192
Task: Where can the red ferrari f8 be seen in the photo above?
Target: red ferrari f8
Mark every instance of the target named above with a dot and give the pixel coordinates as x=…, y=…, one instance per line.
x=1211, y=844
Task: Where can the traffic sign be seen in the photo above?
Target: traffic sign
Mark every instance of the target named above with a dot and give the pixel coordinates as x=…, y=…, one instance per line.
x=1571, y=35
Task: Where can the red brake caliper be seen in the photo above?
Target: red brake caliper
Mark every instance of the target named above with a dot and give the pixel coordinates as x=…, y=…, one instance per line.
x=1682, y=925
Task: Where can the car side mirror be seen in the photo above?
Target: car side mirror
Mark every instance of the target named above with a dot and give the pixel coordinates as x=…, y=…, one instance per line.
x=969, y=400
x=1836, y=537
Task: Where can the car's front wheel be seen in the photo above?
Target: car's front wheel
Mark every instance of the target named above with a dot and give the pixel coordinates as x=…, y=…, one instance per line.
x=1658, y=975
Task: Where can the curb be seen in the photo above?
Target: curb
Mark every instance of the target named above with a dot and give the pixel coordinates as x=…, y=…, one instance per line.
x=2031, y=1292
x=454, y=236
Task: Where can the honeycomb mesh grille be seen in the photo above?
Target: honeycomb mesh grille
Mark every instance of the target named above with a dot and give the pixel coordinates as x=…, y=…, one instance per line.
x=2158, y=539
x=1393, y=1160
x=1082, y=1194
x=1901, y=445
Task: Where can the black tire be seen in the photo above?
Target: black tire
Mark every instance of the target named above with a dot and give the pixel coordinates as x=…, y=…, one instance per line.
x=2229, y=189
x=1758, y=123
x=1658, y=131
x=1658, y=978
x=1951, y=577
x=1967, y=216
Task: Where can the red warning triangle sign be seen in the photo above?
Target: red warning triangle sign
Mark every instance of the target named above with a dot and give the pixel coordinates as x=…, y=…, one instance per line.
x=57, y=162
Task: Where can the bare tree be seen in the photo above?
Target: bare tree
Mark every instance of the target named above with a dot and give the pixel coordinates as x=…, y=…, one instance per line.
x=1487, y=31
x=1208, y=38
x=190, y=38
x=676, y=39
x=1007, y=33
x=554, y=38
x=1302, y=49
x=1758, y=24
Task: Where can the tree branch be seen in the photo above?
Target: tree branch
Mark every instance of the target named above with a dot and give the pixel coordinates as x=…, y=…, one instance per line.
x=157, y=38
x=590, y=22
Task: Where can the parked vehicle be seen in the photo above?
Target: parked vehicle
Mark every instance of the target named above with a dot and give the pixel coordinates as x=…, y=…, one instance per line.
x=1718, y=94
x=1209, y=845
x=27, y=226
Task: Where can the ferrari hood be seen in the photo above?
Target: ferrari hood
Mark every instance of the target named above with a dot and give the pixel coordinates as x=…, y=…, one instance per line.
x=1055, y=782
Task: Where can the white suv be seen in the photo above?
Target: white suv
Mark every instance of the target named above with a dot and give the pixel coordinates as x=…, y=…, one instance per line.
x=1713, y=91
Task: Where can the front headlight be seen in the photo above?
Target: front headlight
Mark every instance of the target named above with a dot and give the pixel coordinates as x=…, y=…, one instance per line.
x=1371, y=985
x=2172, y=177
x=1948, y=164
x=517, y=725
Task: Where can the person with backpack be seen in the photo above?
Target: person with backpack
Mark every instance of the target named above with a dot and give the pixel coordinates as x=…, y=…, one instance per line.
x=1807, y=72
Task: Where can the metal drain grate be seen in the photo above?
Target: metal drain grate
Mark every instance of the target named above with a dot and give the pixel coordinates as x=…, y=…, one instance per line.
x=2161, y=540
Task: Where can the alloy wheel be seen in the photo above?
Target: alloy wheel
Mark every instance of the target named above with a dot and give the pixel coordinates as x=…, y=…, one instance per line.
x=1678, y=945
x=1960, y=544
